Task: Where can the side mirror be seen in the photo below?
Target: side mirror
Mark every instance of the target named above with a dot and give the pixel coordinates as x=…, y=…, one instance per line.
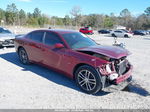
x=59, y=46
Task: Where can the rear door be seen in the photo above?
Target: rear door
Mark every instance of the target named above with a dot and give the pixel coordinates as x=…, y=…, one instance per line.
x=118, y=33
x=33, y=46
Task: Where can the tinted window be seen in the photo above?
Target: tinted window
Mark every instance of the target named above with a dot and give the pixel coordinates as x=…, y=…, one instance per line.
x=3, y=30
x=118, y=31
x=52, y=39
x=36, y=36
x=29, y=36
x=78, y=40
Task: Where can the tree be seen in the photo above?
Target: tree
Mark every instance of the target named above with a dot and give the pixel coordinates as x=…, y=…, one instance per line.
x=2, y=14
x=76, y=13
x=125, y=13
x=11, y=13
x=36, y=13
x=108, y=22
x=125, y=18
x=147, y=11
x=43, y=20
x=32, y=21
x=66, y=20
x=22, y=17
x=142, y=22
x=91, y=20
x=29, y=15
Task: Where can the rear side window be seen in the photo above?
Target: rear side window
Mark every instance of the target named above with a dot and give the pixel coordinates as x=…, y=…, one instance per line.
x=36, y=36
x=118, y=31
x=52, y=38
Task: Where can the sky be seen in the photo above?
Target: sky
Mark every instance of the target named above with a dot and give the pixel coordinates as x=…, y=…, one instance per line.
x=61, y=8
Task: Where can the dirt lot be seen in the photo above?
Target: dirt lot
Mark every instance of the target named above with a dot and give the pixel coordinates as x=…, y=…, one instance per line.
x=35, y=87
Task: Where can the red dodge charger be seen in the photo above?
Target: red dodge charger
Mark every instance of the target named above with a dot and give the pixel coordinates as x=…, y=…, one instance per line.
x=72, y=53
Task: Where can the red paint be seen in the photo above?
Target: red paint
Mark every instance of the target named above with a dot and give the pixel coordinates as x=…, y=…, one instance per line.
x=110, y=51
x=63, y=59
x=59, y=46
x=86, y=31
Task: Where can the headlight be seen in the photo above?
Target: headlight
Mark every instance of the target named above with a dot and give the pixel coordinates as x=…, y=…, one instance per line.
x=108, y=68
x=113, y=76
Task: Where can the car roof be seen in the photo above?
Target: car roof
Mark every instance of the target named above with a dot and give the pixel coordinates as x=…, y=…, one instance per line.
x=59, y=31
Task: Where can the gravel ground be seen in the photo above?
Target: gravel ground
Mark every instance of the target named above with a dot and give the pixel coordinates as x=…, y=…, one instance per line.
x=35, y=87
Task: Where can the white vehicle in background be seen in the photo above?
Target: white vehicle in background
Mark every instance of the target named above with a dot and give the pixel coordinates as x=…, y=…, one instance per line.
x=121, y=33
x=6, y=37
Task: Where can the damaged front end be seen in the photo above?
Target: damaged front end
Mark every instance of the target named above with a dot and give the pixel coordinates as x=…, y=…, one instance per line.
x=115, y=71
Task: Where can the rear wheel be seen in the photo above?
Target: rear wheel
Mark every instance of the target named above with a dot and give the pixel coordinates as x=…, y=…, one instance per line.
x=88, y=79
x=113, y=35
x=23, y=56
x=1, y=44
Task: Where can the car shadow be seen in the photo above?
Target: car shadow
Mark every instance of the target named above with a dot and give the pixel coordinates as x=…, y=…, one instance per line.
x=45, y=73
x=136, y=88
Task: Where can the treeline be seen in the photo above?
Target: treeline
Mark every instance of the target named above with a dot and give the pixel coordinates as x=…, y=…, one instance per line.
x=13, y=16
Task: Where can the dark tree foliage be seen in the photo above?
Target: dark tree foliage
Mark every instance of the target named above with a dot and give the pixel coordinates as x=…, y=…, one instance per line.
x=147, y=11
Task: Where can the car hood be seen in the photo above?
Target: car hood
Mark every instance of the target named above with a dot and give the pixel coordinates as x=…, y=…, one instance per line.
x=7, y=36
x=110, y=51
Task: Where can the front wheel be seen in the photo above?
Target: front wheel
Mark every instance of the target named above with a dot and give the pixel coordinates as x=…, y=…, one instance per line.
x=1, y=46
x=126, y=36
x=23, y=56
x=88, y=79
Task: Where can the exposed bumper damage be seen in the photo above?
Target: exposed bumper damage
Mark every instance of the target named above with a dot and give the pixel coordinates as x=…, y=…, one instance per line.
x=115, y=71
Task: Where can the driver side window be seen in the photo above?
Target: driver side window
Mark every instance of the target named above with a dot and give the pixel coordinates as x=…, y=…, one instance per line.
x=52, y=38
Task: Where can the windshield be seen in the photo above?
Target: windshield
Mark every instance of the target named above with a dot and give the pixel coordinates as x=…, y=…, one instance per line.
x=3, y=30
x=78, y=40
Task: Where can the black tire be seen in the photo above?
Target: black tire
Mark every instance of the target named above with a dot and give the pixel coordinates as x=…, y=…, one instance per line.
x=23, y=56
x=88, y=79
x=113, y=35
x=142, y=34
x=1, y=46
x=126, y=36
x=99, y=32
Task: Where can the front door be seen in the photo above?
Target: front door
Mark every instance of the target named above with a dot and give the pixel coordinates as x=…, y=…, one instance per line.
x=52, y=56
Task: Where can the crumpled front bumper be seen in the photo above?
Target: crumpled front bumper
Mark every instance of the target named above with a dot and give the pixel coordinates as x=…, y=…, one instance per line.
x=124, y=77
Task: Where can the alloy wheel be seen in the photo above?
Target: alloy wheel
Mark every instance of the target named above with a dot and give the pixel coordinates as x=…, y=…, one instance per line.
x=86, y=80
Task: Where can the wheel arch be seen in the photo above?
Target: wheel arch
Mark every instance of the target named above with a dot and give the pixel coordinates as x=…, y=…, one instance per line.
x=77, y=66
x=19, y=47
x=126, y=35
